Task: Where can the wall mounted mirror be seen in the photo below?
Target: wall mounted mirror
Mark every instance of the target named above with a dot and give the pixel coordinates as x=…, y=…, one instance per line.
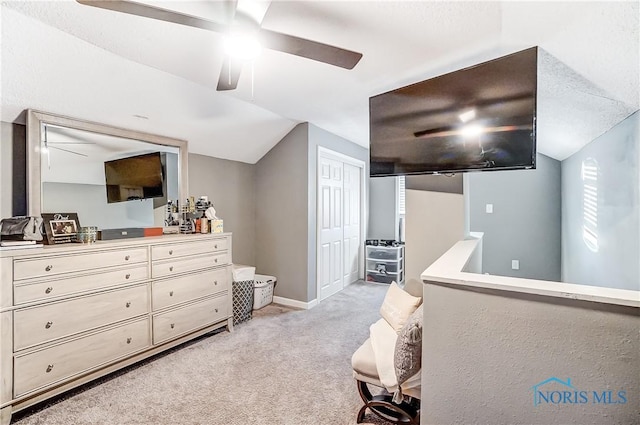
x=66, y=171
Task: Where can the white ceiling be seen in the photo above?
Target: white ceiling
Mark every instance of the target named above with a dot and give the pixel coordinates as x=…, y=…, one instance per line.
x=65, y=58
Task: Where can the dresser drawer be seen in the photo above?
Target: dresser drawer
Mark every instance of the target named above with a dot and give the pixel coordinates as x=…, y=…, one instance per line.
x=175, y=323
x=39, y=267
x=165, y=293
x=162, y=252
x=53, y=364
x=35, y=325
x=179, y=266
x=72, y=285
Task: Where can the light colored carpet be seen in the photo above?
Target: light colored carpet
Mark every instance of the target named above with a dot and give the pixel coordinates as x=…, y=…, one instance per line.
x=284, y=366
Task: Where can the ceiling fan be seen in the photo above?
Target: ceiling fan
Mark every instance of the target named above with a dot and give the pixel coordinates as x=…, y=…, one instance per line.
x=246, y=23
x=48, y=144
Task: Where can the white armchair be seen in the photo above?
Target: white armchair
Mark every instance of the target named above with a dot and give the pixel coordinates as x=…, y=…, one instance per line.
x=390, y=358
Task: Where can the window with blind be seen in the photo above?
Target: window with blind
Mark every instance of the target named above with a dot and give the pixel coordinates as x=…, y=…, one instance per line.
x=590, y=203
x=401, y=195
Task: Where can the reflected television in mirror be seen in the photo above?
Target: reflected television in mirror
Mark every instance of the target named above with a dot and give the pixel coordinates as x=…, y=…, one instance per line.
x=478, y=118
x=134, y=178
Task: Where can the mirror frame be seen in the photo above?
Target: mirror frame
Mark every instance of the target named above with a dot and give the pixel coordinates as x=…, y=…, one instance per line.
x=35, y=120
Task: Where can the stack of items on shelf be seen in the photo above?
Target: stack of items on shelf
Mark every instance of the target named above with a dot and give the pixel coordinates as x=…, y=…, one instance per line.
x=192, y=217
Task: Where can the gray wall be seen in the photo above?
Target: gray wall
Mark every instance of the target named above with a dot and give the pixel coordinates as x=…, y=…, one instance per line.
x=319, y=137
x=617, y=262
x=526, y=220
x=486, y=350
x=13, y=178
x=383, y=208
x=230, y=187
x=286, y=208
x=93, y=210
x=282, y=213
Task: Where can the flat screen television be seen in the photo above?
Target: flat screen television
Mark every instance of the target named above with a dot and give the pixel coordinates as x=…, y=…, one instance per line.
x=476, y=119
x=135, y=177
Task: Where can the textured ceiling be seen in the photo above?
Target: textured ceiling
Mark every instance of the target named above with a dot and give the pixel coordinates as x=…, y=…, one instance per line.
x=65, y=58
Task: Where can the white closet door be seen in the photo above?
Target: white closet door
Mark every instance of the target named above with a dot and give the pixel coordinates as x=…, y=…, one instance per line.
x=351, y=231
x=331, y=230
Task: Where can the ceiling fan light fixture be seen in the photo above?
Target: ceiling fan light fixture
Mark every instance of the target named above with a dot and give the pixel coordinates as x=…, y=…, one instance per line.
x=471, y=131
x=467, y=115
x=242, y=46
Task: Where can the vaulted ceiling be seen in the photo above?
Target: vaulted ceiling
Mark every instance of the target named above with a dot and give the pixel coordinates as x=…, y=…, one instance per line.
x=132, y=72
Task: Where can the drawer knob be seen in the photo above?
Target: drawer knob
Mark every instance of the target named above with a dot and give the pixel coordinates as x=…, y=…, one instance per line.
x=215, y=260
x=126, y=258
x=128, y=304
x=48, y=325
x=171, y=252
x=49, y=368
x=129, y=340
x=127, y=276
x=216, y=246
x=48, y=268
x=215, y=282
x=173, y=325
x=48, y=290
x=171, y=293
x=216, y=310
x=171, y=268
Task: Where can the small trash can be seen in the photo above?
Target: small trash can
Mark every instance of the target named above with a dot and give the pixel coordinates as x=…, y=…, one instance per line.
x=242, y=288
x=263, y=290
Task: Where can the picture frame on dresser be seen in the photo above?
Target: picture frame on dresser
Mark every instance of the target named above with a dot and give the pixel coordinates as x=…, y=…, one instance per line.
x=60, y=227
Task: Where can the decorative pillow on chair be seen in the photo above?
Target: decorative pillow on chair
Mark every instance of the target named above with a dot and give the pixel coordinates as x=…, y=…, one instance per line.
x=397, y=306
x=407, y=357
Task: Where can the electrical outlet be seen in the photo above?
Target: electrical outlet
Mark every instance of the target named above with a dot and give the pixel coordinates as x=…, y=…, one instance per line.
x=489, y=208
x=515, y=264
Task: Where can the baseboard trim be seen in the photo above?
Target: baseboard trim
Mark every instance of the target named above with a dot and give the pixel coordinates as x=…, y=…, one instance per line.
x=295, y=303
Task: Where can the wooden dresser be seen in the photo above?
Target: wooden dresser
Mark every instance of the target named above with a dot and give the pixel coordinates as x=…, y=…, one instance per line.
x=72, y=313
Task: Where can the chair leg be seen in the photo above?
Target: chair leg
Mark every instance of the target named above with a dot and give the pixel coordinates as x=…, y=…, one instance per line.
x=361, y=413
x=383, y=406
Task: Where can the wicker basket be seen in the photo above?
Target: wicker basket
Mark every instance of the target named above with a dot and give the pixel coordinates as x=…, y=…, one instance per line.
x=242, y=301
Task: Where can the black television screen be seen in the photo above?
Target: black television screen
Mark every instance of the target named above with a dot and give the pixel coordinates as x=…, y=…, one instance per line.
x=135, y=177
x=475, y=119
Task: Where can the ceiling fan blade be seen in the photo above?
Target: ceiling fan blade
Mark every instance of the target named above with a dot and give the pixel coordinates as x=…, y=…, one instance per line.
x=158, y=13
x=71, y=143
x=252, y=9
x=309, y=49
x=229, y=74
x=66, y=150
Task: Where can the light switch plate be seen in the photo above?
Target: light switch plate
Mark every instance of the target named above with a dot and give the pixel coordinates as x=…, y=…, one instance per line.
x=489, y=208
x=515, y=264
